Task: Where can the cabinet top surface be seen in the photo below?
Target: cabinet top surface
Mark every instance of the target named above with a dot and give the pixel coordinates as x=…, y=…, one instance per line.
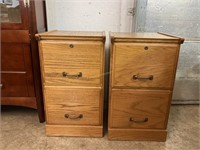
x=59, y=34
x=146, y=36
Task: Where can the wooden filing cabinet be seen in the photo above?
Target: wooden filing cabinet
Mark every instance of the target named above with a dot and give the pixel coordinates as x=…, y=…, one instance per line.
x=142, y=74
x=72, y=66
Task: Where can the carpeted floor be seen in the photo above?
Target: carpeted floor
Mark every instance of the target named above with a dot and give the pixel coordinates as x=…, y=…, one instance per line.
x=21, y=130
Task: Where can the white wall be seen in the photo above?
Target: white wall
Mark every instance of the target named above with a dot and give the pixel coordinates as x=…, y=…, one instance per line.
x=89, y=15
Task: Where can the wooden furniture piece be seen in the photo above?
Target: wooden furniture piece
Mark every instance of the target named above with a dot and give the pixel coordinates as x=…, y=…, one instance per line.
x=142, y=74
x=20, y=70
x=72, y=66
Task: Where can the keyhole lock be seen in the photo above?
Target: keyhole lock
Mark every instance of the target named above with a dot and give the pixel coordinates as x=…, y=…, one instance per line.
x=146, y=48
x=71, y=45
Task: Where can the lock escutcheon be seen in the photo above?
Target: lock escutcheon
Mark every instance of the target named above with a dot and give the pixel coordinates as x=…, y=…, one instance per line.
x=146, y=48
x=71, y=46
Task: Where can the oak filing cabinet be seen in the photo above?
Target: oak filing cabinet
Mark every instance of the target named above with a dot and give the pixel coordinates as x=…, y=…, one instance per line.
x=72, y=66
x=142, y=74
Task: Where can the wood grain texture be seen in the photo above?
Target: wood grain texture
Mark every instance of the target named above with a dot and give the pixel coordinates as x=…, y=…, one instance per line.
x=67, y=97
x=139, y=108
x=72, y=35
x=173, y=36
x=66, y=130
x=19, y=101
x=140, y=35
x=137, y=134
x=147, y=37
x=14, y=85
x=28, y=66
x=12, y=57
x=85, y=57
x=132, y=59
x=16, y=60
x=15, y=36
x=138, y=105
x=73, y=102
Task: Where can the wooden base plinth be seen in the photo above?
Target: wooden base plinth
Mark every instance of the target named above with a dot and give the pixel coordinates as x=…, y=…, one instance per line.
x=137, y=134
x=72, y=130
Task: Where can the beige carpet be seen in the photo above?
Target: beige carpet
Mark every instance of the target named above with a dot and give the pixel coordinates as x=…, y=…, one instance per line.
x=21, y=130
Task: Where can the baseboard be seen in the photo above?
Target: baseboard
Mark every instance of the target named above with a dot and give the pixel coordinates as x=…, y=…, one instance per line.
x=176, y=101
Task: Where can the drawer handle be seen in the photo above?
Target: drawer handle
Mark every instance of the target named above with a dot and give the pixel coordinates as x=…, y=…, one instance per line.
x=74, y=116
x=65, y=74
x=138, y=121
x=1, y=85
x=136, y=77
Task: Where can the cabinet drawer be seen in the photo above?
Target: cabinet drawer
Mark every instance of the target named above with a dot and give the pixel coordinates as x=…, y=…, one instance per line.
x=14, y=85
x=145, y=65
x=12, y=57
x=139, y=109
x=75, y=106
x=72, y=62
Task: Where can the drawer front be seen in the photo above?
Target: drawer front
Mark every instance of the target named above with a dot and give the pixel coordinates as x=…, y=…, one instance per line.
x=14, y=85
x=12, y=57
x=66, y=106
x=72, y=62
x=144, y=65
x=139, y=109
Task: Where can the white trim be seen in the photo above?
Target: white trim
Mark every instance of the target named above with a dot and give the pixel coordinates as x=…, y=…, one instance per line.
x=51, y=14
x=126, y=19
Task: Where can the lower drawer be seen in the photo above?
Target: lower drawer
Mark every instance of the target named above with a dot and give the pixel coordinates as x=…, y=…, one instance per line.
x=14, y=85
x=73, y=106
x=13, y=57
x=139, y=109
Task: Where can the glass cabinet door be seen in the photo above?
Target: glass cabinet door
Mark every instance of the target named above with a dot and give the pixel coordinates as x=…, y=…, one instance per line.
x=14, y=14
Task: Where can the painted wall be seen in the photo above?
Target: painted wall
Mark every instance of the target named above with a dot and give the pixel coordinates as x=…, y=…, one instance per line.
x=89, y=15
x=180, y=17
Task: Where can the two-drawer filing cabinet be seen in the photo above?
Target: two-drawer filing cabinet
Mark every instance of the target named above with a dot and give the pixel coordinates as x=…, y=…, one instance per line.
x=72, y=66
x=142, y=74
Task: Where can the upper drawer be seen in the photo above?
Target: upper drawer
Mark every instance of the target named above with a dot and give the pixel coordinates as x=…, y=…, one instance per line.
x=72, y=62
x=144, y=65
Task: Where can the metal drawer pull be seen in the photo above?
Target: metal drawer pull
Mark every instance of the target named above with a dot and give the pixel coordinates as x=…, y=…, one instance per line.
x=138, y=121
x=74, y=116
x=136, y=77
x=65, y=74
x=1, y=85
